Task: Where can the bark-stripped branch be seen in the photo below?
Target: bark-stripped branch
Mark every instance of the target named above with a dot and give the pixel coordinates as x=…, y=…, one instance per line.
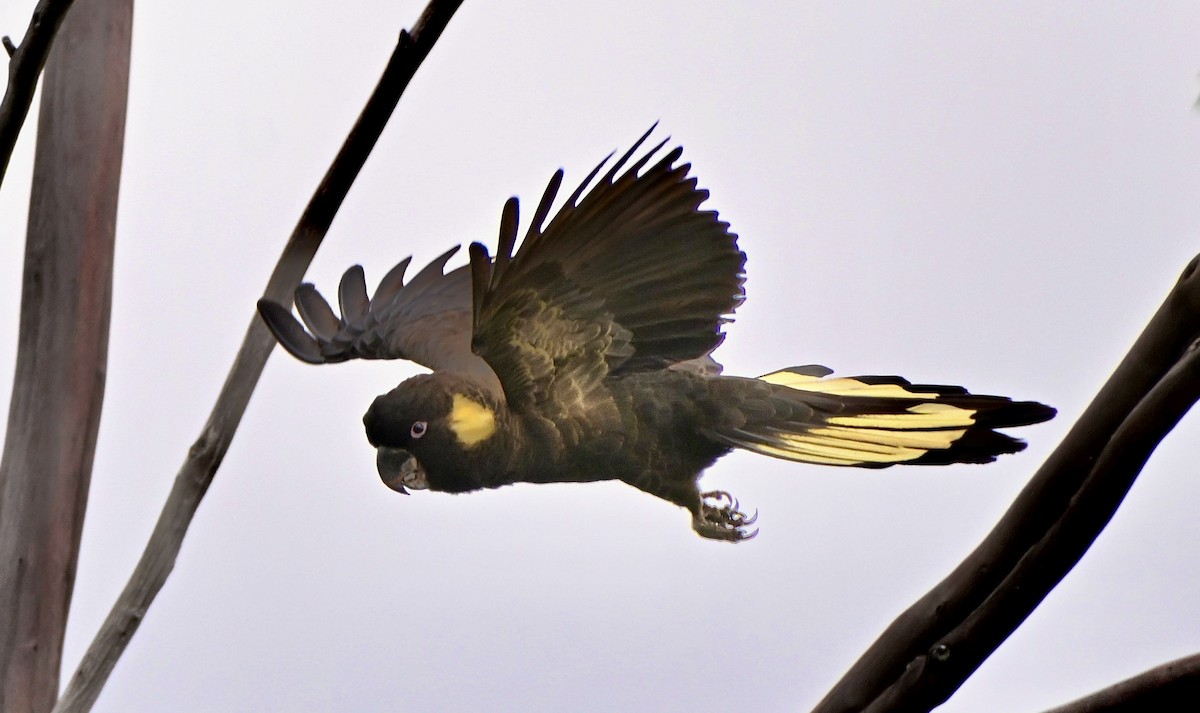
x=206, y=453
x=926, y=654
x=24, y=66
x=62, y=345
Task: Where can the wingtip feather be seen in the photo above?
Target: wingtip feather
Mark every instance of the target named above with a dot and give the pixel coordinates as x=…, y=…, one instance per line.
x=318, y=316
x=389, y=286
x=289, y=332
x=481, y=278
x=352, y=295
x=543, y=209
x=509, y=220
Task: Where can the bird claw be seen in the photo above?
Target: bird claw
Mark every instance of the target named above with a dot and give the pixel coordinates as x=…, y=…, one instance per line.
x=721, y=518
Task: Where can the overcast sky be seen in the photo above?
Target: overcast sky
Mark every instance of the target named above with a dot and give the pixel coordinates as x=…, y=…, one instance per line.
x=995, y=197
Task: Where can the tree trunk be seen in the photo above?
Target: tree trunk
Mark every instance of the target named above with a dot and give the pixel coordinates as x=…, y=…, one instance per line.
x=62, y=347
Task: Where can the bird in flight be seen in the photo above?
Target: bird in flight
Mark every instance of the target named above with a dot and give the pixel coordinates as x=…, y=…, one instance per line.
x=585, y=355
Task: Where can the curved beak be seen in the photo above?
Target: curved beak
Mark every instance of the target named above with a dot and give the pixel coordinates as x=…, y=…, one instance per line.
x=399, y=468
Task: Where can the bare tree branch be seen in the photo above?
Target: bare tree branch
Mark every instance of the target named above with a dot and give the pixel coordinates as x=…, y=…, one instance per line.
x=926, y=654
x=24, y=65
x=1162, y=688
x=62, y=348
x=206, y=453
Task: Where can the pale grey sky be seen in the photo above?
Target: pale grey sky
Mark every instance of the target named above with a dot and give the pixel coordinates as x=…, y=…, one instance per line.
x=993, y=196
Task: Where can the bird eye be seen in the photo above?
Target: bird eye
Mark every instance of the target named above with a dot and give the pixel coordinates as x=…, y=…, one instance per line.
x=418, y=429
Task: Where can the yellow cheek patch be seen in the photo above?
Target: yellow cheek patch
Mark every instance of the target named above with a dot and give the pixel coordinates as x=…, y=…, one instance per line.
x=471, y=421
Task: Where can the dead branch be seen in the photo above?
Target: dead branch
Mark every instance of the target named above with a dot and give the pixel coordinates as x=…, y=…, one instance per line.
x=205, y=455
x=1162, y=688
x=926, y=654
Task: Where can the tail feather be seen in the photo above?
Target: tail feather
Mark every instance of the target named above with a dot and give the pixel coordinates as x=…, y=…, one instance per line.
x=875, y=421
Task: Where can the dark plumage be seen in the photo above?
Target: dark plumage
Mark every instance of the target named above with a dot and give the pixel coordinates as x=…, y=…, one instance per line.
x=585, y=355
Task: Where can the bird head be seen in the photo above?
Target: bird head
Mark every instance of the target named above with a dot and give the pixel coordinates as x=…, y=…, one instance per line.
x=432, y=432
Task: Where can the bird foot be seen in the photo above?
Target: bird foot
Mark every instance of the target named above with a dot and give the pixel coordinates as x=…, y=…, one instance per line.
x=720, y=518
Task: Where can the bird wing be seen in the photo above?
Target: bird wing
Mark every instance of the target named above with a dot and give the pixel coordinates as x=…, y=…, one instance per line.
x=426, y=320
x=632, y=276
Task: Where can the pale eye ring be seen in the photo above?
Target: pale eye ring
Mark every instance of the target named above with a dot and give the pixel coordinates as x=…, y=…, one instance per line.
x=418, y=429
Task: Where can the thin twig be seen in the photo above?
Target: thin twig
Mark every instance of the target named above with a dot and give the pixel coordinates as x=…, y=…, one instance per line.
x=922, y=658
x=206, y=453
x=24, y=67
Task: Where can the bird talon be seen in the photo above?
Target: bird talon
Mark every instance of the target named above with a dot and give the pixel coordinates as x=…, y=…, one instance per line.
x=721, y=518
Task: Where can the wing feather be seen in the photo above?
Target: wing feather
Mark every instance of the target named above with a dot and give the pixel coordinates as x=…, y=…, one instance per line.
x=318, y=316
x=628, y=275
x=427, y=320
x=389, y=287
x=352, y=296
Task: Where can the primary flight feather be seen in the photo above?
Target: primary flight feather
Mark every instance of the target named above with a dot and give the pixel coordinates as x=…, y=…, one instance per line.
x=584, y=355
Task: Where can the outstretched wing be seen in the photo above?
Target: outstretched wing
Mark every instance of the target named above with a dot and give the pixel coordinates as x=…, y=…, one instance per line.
x=427, y=320
x=633, y=276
